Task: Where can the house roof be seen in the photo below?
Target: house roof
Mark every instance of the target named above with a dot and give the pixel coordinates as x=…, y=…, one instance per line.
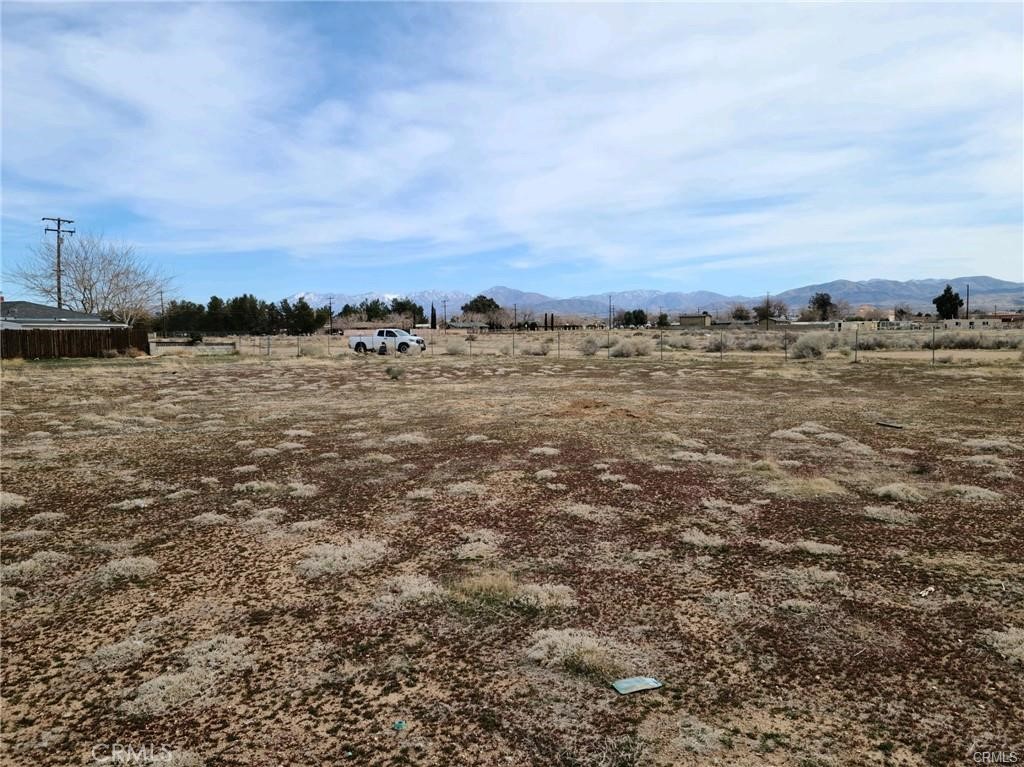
x=23, y=314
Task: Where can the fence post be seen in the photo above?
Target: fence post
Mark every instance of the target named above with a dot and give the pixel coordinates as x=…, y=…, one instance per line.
x=721, y=346
x=856, y=342
x=933, y=345
x=558, y=345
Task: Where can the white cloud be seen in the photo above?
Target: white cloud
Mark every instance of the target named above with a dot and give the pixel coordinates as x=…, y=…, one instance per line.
x=594, y=133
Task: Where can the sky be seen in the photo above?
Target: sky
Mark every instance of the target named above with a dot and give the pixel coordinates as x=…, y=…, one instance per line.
x=567, y=149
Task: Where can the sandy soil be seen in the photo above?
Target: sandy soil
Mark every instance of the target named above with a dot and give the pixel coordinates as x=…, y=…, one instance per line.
x=274, y=562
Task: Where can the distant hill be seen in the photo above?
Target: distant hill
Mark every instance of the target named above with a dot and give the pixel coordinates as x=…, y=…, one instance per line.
x=986, y=293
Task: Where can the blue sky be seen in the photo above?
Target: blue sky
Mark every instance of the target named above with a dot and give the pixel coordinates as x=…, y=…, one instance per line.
x=274, y=148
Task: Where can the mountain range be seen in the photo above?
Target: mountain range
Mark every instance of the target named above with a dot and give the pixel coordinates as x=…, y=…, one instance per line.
x=986, y=293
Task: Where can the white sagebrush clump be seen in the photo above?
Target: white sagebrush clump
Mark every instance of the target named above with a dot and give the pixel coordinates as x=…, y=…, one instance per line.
x=421, y=494
x=703, y=540
x=545, y=474
x=247, y=469
x=263, y=452
x=33, y=568
x=256, y=486
x=544, y=596
x=133, y=503
x=333, y=559
x=467, y=488
x=307, y=525
x=28, y=534
x=899, y=491
x=120, y=654
x=791, y=435
x=544, y=450
x=410, y=438
x=405, y=589
x=479, y=544
x=207, y=663
x=973, y=494
x=709, y=457
x=818, y=548
x=1008, y=643
x=302, y=490
x=891, y=515
x=11, y=501
x=128, y=569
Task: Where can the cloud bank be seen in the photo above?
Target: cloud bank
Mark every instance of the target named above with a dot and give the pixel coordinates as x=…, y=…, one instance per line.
x=652, y=142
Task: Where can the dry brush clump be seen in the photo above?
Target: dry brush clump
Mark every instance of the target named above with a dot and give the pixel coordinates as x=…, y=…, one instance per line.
x=702, y=540
x=456, y=346
x=632, y=347
x=577, y=651
x=11, y=501
x=900, y=491
x=810, y=346
x=207, y=663
x=337, y=559
x=127, y=570
x=891, y=515
x=973, y=494
x=1008, y=643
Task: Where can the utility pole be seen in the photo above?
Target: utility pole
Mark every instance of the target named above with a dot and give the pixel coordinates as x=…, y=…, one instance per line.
x=968, y=299
x=330, y=322
x=515, y=320
x=444, y=306
x=609, y=347
x=163, y=314
x=767, y=310
x=60, y=241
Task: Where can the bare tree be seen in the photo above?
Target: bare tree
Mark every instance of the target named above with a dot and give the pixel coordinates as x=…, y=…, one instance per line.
x=98, y=277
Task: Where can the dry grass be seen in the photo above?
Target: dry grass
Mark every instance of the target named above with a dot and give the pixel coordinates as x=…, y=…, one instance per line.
x=776, y=621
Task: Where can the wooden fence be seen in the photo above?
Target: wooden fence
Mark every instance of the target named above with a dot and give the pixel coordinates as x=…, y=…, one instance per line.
x=32, y=344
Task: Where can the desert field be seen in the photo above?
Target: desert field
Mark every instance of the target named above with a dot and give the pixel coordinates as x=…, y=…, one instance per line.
x=446, y=559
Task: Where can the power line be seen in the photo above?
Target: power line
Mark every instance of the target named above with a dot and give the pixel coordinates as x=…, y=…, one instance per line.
x=60, y=241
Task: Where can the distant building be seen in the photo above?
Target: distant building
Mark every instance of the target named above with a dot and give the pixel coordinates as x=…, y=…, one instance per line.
x=26, y=315
x=973, y=323
x=695, y=320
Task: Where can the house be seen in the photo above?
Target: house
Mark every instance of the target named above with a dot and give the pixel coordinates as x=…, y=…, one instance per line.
x=26, y=315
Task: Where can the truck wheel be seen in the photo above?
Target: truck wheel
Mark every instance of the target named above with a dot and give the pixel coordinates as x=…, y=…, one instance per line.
x=361, y=347
x=403, y=348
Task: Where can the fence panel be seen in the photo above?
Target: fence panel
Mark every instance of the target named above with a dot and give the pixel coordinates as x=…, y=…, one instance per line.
x=45, y=343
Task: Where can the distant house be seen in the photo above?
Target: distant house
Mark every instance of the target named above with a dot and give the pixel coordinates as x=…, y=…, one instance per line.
x=26, y=315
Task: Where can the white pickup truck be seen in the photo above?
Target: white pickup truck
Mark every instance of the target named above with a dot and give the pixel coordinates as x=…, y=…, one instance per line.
x=386, y=341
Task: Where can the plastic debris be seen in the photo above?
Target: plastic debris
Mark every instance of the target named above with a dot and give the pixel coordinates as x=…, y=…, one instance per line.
x=399, y=725
x=927, y=591
x=889, y=425
x=635, y=684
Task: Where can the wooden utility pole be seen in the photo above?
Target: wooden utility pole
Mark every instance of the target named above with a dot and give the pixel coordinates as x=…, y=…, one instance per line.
x=60, y=241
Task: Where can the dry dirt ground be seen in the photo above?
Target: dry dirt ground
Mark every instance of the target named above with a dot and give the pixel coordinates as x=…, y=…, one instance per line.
x=316, y=562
